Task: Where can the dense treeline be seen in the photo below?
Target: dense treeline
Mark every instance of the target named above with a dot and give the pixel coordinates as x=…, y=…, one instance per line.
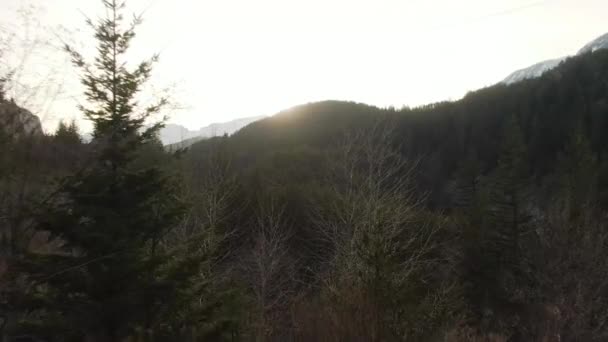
x=515, y=174
x=548, y=110
x=476, y=220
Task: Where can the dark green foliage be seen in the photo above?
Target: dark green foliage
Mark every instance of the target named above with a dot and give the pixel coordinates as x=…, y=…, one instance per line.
x=496, y=267
x=577, y=174
x=445, y=134
x=509, y=198
x=112, y=89
x=3, y=89
x=106, y=275
x=493, y=161
x=68, y=134
x=494, y=222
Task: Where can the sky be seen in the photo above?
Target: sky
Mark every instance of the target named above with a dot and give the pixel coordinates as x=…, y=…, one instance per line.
x=226, y=59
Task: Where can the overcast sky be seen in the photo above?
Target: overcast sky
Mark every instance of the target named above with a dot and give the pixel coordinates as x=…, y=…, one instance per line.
x=224, y=59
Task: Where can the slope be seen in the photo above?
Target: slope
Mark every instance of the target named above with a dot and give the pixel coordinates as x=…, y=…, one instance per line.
x=443, y=134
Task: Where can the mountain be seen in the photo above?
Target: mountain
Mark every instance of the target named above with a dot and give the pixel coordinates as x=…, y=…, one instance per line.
x=597, y=44
x=173, y=133
x=290, y=146
x=177, y=134
x=17, y=122
x=533, y=71
x=540, y=68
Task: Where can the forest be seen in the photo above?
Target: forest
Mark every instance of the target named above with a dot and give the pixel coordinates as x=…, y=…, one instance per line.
x=482, y=219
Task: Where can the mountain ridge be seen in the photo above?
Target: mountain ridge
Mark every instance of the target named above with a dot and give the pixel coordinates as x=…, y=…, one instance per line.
x=441, y=135
x=174, y=134
x=538, y=69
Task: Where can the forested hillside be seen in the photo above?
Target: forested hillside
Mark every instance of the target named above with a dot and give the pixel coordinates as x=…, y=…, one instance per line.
x=518, y=173
x=482, y=219
x=569, y=100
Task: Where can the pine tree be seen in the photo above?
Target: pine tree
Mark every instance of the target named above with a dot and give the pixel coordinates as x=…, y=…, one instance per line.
x=68, y=133
x=466, y=185
x=495, y=268
x=509, y=193
x=577, y=173
x=108, y=277
x=2, y=89
x=470, y=203
x=4, y=80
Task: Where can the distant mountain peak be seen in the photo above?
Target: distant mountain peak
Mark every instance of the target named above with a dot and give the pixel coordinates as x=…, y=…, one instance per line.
x=174, y=134
x=599, y=43
x=539, y=69
x=533, y=71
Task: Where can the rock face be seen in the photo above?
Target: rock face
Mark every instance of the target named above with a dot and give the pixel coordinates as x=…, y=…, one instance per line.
x=18, y=122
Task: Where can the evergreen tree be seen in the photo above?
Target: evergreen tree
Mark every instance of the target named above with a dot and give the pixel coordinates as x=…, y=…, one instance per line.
x=2, y=89
x=4, y=80
x=495, y=268
x=470, y=201
x=467, y=182
x=577, y=173
x=509, y=193
x=108, y=276
x=68, y=133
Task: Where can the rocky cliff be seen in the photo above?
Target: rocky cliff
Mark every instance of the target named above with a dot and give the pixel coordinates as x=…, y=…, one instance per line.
x=18, y=122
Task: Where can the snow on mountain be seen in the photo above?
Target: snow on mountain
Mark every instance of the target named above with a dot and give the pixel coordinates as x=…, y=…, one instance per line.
x=538, y=69
x=173, y=134
x=534, y=71
x=597, y=44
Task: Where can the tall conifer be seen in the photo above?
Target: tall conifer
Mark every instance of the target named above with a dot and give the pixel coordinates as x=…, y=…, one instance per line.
x=107, y=277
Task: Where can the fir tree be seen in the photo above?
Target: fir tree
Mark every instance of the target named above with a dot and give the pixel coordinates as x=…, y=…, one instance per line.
x=495, y=269
x=108, y=277
x=68, y=133
x=577, y=174
x=509, y=194
x=2, y=89
x=467, y=180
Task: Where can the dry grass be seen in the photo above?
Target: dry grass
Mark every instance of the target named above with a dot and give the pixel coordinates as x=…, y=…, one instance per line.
x=468, y=334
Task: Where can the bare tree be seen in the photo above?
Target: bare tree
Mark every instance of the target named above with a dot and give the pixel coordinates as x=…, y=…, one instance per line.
x=28, y=163
x=572, y=275
x=34, y=59
x=382, y=243
x=269, y=269
x=204, y=234
x=210, y=188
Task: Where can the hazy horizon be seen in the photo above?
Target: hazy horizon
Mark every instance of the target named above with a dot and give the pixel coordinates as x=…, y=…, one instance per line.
x=232, y=59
